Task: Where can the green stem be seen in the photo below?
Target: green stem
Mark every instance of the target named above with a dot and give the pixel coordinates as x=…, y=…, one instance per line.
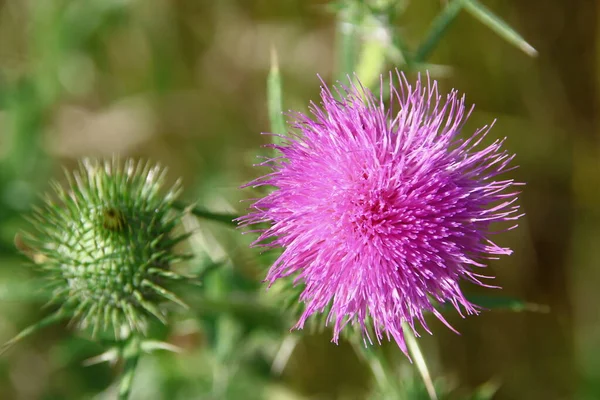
x=287, y=347
x=419, y=359
x=376, y=361
x=131, y=354
x=348, y=22
x=274, y=98
x=399, y=52
x=201, y=213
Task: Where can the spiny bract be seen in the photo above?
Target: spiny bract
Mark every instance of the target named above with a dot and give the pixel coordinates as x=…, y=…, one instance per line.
x=106, y=245
x=382, y=208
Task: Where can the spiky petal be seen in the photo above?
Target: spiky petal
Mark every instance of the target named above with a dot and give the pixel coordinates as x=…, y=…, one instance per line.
x=382, y=210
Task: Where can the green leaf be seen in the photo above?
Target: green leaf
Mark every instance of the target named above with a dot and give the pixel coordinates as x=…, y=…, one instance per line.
x=438, y=28
x=487, y=17
x=506, y=303
x=49, y=320
x=274, y=97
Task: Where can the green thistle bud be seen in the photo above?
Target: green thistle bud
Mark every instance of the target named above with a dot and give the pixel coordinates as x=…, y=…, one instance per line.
x=106, y=244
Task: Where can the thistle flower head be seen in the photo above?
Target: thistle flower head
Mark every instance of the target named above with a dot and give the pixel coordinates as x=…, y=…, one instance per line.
x=382, y=208
x=106, y=242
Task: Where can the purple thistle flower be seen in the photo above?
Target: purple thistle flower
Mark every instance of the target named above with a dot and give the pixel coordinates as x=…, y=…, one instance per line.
x=383, y=210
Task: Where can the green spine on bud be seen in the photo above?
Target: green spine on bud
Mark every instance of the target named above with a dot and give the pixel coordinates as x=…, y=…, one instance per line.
x=107, y=244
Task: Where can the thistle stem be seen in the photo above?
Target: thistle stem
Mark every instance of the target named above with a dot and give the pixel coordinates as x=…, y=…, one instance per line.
x=438, y=28
x=417, y=355
x=131, y=354
x=287, y=347
x=201, y=213
x=376, y=361
x=274, y=98
x=348, y=23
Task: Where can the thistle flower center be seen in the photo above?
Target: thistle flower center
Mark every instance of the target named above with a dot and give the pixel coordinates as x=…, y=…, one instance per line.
x=367, y=208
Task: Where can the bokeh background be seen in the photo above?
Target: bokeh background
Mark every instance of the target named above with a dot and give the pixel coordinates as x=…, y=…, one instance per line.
x=183, y=82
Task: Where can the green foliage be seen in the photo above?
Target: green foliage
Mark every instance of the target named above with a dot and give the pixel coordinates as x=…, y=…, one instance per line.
x=368, y=42
x=495, y=23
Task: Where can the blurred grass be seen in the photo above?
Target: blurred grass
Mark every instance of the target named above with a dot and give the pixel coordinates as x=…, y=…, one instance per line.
x=183, y=83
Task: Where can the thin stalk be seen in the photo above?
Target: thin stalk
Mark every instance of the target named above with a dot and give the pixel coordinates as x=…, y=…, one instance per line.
x=438, y=27
x=131, y=354
x=417, y=355
x=287, y=347
x=228, y=219
x=274, y=98
x=348, y=23
x=376, y=361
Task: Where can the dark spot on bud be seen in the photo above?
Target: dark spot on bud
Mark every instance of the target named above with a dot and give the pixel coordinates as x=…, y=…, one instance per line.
x=113, y=219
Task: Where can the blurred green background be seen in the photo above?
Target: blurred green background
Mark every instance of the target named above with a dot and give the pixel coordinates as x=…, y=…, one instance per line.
x=182, y=82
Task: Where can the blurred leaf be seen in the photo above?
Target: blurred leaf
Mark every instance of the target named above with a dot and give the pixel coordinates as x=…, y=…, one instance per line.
x=397, y=51
x=479, y=11
x=31, y=329
x=373, y=53
x=381, y=41
x=374, y=357
x=486, y=391
x=349, y=20
x=17, y=290
x=274, y=96
x=84, y=19
x=244, y=308
x=203, y=269
x=438, y=28
x=282, y=357
x=395, y=380
x=25, y=117
x=487, y=17
x=228, y=338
